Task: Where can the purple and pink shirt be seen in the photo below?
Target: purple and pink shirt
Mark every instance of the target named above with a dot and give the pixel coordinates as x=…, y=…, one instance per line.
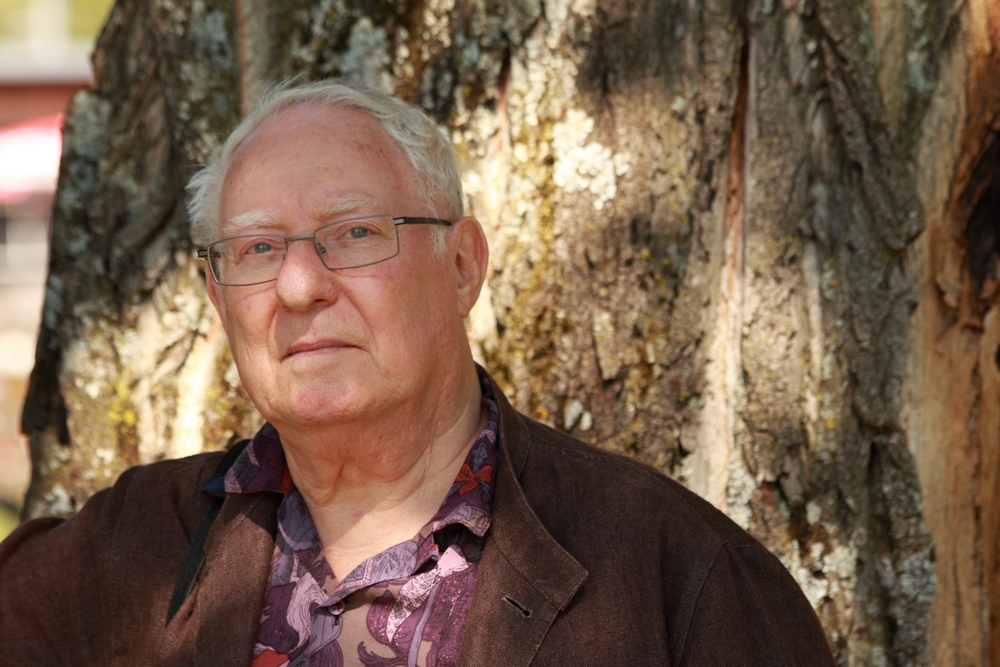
x=405, y=606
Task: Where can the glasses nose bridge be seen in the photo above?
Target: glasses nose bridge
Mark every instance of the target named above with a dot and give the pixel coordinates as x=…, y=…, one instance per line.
x=304, y=237
x=299, y=237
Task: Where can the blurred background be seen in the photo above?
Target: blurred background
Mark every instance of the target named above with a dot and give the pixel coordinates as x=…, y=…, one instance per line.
x=45, y=48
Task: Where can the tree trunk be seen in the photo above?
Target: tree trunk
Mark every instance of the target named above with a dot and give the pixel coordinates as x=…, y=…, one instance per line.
x=751, y=243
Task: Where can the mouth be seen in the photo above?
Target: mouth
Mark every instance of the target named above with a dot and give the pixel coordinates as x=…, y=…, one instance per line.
x=306, y=347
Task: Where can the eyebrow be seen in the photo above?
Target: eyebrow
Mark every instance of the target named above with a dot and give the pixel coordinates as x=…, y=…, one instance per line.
x=330, y=209
x=346, y=204
x=246, y=221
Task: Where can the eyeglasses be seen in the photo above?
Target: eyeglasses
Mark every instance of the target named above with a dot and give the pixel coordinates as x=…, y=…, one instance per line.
x=346, y=244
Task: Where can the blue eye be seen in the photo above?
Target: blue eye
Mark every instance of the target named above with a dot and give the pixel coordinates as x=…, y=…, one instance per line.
x=261, y=248
x=358, y=232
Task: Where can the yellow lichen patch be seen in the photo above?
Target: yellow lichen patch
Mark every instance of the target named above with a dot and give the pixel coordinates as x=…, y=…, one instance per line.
x=119, y=412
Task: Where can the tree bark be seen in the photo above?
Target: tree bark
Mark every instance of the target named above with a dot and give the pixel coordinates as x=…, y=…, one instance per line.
x=751, y=243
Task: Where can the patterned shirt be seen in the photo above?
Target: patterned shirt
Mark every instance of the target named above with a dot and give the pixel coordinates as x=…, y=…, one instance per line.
x=407, y=605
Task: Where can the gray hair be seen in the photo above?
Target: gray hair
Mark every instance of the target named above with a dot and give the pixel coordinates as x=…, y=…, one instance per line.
x=439, y=177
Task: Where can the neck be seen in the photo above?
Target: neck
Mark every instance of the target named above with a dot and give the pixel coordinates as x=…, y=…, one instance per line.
x=374, y=482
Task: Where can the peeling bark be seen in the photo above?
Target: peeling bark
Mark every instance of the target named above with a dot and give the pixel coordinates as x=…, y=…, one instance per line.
x=954, y=376
x=751, y=243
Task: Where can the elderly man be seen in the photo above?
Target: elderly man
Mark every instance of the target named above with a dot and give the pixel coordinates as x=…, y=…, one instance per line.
x=394, y=510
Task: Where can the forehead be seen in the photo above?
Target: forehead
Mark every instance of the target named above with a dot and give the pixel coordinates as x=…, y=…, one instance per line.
x=307, y=156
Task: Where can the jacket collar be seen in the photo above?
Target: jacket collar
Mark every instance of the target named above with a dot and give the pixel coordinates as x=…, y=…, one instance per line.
x=525, y=577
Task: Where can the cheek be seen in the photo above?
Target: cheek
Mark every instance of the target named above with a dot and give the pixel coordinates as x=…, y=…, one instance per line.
x=253, y=362
x=395, y=315
x=425, y=317
x=247, y=322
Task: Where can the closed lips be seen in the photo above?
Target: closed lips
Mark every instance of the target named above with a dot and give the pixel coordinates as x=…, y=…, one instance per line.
x=299, y=348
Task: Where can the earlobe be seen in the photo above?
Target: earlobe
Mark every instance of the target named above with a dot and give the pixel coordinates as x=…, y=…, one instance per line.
x=471, y=258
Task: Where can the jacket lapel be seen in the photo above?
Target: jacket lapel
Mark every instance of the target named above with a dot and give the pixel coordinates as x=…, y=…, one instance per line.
x=525, y=577
x=230, y=595
x=217, y=624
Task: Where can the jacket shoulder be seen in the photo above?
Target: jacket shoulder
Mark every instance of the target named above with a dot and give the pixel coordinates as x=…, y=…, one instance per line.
x=641, y=487
x=170, y=483
x=667, y=560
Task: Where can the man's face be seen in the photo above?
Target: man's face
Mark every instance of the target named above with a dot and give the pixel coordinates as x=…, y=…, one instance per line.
x=319, y=346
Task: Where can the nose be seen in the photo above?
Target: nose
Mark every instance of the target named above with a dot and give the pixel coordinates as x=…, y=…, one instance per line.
x=303, y=280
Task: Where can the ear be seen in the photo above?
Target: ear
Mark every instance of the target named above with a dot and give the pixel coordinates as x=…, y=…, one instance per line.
x=471, y=255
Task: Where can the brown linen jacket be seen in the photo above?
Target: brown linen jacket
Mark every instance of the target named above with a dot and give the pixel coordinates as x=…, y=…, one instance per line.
x=591, y=559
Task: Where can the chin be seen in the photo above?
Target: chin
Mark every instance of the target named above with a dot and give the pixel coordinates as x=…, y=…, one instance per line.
x=317, y=406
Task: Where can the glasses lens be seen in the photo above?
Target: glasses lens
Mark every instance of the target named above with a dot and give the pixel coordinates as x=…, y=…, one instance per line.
x=246, y=260
x=357, y=242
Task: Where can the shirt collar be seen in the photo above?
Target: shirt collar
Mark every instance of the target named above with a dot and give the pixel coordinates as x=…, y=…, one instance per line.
x=261, y=466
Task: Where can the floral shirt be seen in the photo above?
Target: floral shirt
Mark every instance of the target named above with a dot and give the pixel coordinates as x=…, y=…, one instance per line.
x=404, y=606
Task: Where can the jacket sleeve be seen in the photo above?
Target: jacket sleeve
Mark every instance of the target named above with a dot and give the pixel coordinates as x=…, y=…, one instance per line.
x=52, y=581
x=93, y=588
x=751, y=612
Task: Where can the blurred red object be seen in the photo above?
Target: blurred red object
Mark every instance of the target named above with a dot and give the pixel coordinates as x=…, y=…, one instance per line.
x=29, y=157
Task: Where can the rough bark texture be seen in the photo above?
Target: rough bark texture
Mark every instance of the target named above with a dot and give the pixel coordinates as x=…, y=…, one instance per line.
x=751, y=243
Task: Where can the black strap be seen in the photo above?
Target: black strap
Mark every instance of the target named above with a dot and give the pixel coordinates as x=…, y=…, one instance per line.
x=195, y=556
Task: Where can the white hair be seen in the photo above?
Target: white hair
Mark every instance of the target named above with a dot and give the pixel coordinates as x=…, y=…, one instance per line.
x=439, y=177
